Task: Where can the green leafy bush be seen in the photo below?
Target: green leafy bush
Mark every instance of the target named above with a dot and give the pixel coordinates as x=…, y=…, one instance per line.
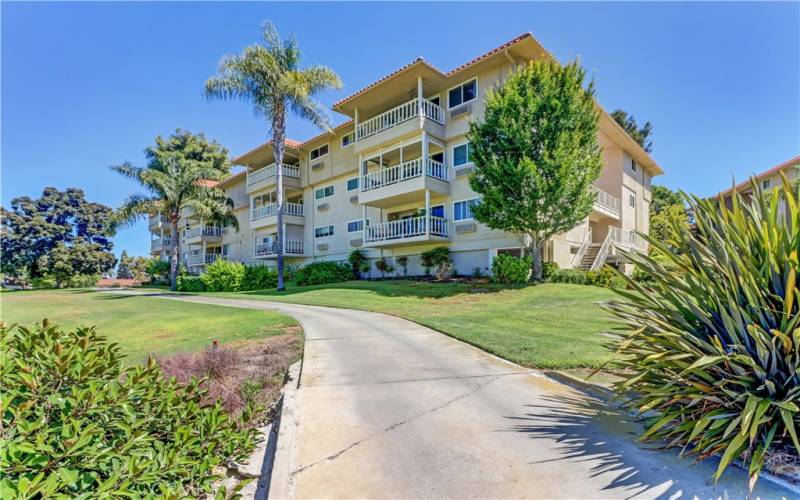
x=574, y=276
x=224, y=275
x=383, y=266
x=713, y=342
x=82, y=280
x=438, y=257
x=75, y=423
x=320, y=273
x=356, y=259
x=548, y=268
x=259, y=278
x=43, y=282
x=158, y=271
x=511, y=270
x=402, y=261
x=190, y=283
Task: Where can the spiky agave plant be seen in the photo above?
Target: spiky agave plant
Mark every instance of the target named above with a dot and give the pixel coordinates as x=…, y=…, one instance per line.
x=712, y=347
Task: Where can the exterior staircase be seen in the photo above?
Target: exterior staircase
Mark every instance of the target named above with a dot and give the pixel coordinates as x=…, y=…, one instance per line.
x=589, y=257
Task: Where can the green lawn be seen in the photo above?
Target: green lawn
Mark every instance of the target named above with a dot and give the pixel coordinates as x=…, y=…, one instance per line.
x=142, y=325
x=544, y=326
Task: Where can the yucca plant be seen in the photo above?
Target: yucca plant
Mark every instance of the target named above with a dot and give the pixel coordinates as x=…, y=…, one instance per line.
x=711, y=348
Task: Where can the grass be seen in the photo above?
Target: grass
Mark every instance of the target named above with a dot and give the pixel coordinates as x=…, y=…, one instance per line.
x=546, y=326
x=143, y=325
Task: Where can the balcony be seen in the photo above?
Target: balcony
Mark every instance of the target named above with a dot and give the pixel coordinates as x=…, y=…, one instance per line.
x=266, y=177
x=201, y=259
x=267, y=215
x=156, y=222
x=400, y=121
x=403, y=183
x=606, y=204
x=200, y=234
x=159, y=244
x=406, y=231
x=270, y=250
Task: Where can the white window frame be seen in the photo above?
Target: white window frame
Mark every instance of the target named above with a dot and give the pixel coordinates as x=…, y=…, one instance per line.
x=634, y=165
x=453, y=155
x=326, y=226
x=353, y=140
x=323, y=188
x=347, y=181
x=464, y=200
x=447, y=94
x=364, y=223
x=311, y=153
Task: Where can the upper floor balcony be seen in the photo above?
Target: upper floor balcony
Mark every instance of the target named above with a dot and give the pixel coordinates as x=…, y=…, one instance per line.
x=160, y=244
x=201, y=234
x=398, y=122
x=419, y=229
x=267, y=215
x=269, y=250
x=607, y=204
x=156, y=222
x=266, y=177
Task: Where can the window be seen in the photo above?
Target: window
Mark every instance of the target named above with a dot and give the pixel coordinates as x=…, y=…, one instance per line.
x=632, y=200
x=514, y=252
x=465, y=92
x=319, y=152
x=355, y=226
x=438, y=157
x=323, y=192
x=462, y=210
x=765, y=184
x=633, y=164
x=347, y=139
x=461, y=154
x=437, y=211
x=352, y=184
x=321, y=232
x=434, y=100
x=225, y=250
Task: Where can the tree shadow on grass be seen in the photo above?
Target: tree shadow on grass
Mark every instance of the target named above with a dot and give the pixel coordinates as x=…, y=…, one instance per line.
x=393, y=288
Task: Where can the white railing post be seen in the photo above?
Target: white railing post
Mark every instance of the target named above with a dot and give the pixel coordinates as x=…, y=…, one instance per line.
x=578, y=257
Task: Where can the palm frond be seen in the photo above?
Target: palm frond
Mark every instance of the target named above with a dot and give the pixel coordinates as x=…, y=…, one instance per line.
x=133, y=209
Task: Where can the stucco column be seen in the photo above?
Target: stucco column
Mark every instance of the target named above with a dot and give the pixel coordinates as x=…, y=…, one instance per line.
x=427, y=213
x=424, y=155
x=420, y=97
x=355, y=123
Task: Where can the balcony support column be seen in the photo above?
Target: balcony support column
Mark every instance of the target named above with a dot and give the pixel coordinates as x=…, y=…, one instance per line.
x=355, y=122
x=424, y=155
x=363, y=224
x=420, y=97
x=427, y=213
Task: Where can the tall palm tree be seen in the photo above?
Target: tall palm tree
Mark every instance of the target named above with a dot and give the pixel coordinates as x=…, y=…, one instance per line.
x=177, y=177
x=269, y=77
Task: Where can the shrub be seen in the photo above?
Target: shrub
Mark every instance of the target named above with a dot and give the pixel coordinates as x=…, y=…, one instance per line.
x=224, y=275
x=75, y=423
x=383, y=266
x=189, y=283
x=356, y=258
x=43, y=282
x=402, y=261
x=158, y=270
x=82, y=280
x=438, y=257
x=511, y=270
x=320, y=273
x=259, y=278
x=713, y=346
x=366, y=267
x=477, y=272
x=574, y=276
x=548, y=268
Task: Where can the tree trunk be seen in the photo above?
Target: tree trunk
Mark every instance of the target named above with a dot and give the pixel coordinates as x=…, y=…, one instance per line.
x=173, y=252
x=278, y=137
x=535, y=248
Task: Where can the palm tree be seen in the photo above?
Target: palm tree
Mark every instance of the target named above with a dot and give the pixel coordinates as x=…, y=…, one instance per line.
x=177, y=177
x=269, y=77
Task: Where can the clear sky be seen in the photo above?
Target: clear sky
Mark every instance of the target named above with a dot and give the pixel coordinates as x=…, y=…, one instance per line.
x=89, y=85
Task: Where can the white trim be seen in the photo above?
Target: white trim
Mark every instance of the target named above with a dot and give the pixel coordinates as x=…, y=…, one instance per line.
x=447, y=93
x=365, y=223
x=327, y=144
x=332, y=186
x=326, y=226
x=352, y=141
x=460, y=201
x=453, y=156
x=357, y=179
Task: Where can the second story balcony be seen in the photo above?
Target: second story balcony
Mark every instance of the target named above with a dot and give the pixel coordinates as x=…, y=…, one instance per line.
x=400, y=121
x=405, y=231
x=267, y=176
x=267, y=215
x=269, y=250
x=200, y=234
x=156, y=222
x=200, y=258
x=607, y=204
x=158, y=245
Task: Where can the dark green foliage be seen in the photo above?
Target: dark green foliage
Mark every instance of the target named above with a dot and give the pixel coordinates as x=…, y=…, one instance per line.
x=356, y=258
x=639, y=134
x=663, y=198
x=574, y=276
x=259, y=278
x=383, y=266
x=606, y=277
x=43, y=282
x=59, y=234
x=548, y=268
x=224, y=275
x=124, y=270
x=402, y=261
x=158, y=271
x=712, y=345
x=320, y=273
x=75, y=423
x=189, y=283
x=511, y=270
x=535, y=148
x=437, y=257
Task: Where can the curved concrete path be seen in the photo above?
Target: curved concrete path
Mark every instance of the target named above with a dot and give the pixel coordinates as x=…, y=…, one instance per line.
x=387, y=408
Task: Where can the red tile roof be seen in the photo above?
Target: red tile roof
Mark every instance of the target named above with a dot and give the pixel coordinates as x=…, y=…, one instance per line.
x=337, y=127
x=766, y=173
x=207, y=183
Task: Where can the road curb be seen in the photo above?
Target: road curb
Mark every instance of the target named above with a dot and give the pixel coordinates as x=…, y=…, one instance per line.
x=277, y=482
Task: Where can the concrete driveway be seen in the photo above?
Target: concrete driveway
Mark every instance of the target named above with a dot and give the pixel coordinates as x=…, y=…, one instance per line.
x=387, y=408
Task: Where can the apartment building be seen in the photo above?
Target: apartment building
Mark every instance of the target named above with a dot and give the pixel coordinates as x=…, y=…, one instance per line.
x=393, y=181
x=767, y=181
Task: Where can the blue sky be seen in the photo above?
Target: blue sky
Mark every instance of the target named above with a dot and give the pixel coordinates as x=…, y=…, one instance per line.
x=89, y=85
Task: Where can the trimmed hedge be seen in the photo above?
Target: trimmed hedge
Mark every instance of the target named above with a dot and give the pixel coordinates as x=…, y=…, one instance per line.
x=224, y=275
x=511, y=270
x=320, y=273
x=259, y=278
x=188, y=283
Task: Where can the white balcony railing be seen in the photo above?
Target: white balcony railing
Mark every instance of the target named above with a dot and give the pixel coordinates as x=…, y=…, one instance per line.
x=404, y=171
x=202, y=230
x=199, y=259
x=270, y=170
x=272, y=209
x=290, y=248
x=159, y=243
x=406, y=228
x=607, y=201
x=398, y=115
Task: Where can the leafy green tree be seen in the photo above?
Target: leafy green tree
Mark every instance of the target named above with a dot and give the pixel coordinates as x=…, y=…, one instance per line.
x=34, y=227
x=270, y=78
x=536, y=154
x=124, y=270
x=79, y=258
x=663, y=198
x=639, y=134
x=176, y=177
x=662, y=223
